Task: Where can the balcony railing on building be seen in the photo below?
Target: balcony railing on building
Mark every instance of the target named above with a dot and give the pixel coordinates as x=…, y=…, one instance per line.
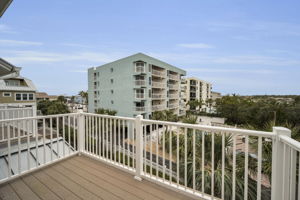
x=173, y=105
x=140, y=108
x=158, y=96
x=173, y=96
x=204, y=162
x=140, y=95
x=174, y=77
x=140, y=82
x=158, y=73
x=158, y=107
x=173, y=86
x=158, y=84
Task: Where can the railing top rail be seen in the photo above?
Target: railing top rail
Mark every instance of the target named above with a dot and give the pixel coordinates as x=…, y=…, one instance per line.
x=290, y=141
x=213, y=128
x=37, y=117
x=11, y=109
x=110, y=116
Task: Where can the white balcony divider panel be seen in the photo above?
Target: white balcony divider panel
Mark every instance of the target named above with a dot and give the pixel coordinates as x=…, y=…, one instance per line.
x=53, y=141
x=179, y=156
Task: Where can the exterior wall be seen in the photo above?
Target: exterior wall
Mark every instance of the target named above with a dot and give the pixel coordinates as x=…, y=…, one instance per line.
x=201, y=90
x=12, y=98
x=124, y=86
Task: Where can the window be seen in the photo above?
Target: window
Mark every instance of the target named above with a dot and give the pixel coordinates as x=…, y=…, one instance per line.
x=30, y=97
x=111, y=70
x=149, y=80
x=111, y=91
x=7, y=94
x=112, y=102
x=25, y=97
x=111, y=81
x=18, y=97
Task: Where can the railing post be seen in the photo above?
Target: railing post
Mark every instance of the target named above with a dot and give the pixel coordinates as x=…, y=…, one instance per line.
x=279, y=177
x=80, y=133
x=139, y=147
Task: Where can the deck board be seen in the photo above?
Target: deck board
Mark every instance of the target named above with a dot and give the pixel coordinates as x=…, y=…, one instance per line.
x=81, y=177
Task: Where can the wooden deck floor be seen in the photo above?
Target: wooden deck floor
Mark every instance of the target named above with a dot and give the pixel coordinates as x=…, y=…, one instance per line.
x=80, y=177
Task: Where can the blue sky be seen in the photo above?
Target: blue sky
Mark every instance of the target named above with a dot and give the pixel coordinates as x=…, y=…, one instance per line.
x=241, y=46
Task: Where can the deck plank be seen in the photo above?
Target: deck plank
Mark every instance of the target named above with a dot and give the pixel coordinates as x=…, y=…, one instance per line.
x=98, y=190
x=88, y=171
x=55, y=186
x=23, y=190
x=99, y=181
x=71, y=185
x=7, y=193
x=145, y=186
x=39, y=188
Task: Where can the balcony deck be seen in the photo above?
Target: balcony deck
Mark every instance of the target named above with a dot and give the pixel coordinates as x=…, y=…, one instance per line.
x=80, y=177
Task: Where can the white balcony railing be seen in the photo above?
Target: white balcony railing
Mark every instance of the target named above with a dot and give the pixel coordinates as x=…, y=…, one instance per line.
x=158, y=84
x=158, y=107
x=139, y=69
x=203, y=162
x=140, y=108
x=158, y=96
x=173, y=86
x=174, y=105
x=140, y=82
x=158, y=73
x=139, y=95
x=174, y=77
x=173, y=96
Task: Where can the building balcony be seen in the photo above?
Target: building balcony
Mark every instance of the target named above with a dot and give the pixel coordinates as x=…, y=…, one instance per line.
x=140, y=96
x=159, y=107
x=174, y=105
x=158, y=96
x=158, y=73
x=140, y=83
x=158, y=84
x=174, y=77
x=91, y=156
x=140, y=109
x=173, y=96
x=173, y=86
x=140, y=70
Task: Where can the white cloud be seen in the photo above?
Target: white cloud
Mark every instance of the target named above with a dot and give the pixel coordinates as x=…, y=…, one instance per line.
x=20, y=57
x=196, y=45
x=5, y=29
x=75, y=45
x=19, y=43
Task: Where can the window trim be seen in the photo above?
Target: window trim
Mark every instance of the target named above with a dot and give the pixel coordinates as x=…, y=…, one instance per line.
x=28, y=95
x=3, y=94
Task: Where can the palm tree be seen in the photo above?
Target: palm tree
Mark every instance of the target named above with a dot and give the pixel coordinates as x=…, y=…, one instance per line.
x=84, y=95
x=194, y=104
x=208, y=163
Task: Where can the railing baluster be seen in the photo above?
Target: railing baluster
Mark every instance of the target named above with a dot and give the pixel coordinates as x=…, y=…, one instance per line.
x=119, y=141
x=114, y=140
x=123, y=136
x=246, y=168
x=164, y=161
x=259, y=168
x=202, y=162
x=57, y=136
x=102, y=137
x=19, y=147
x=156, y=151
x=51, y=138
x=28, y=144
x=86, y=128
x=36, y=146
x=128, y=145
x=64, y=136
x=194, y=158
x=44, y=138
x=69, y=135
x=212, y=164
x=93, y=134
x=185, y=157
x=106, y=138
x=171, y=157
x=8, y=150
x=284, y=171
x=151, y=149
x=177, y=154
x=234, y=167
x=74, y=132
x=223, y=164
x=298, y=192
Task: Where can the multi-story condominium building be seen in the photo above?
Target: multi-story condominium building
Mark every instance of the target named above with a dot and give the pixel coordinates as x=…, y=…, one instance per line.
x=196, y=89
x=15, y=90
x=138, y=84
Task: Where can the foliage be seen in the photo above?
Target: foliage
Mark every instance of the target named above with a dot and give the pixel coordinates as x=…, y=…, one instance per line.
x=84, y=95
x=52, y=107
x=61, y=99
x=194, y=104
x=103, y=111
x=165, y=115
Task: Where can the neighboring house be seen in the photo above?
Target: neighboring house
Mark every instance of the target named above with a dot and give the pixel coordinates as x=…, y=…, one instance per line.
x=196, y=89
x=79, y=99
x=215, y=95
x=138, y=84
x=44, y=96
